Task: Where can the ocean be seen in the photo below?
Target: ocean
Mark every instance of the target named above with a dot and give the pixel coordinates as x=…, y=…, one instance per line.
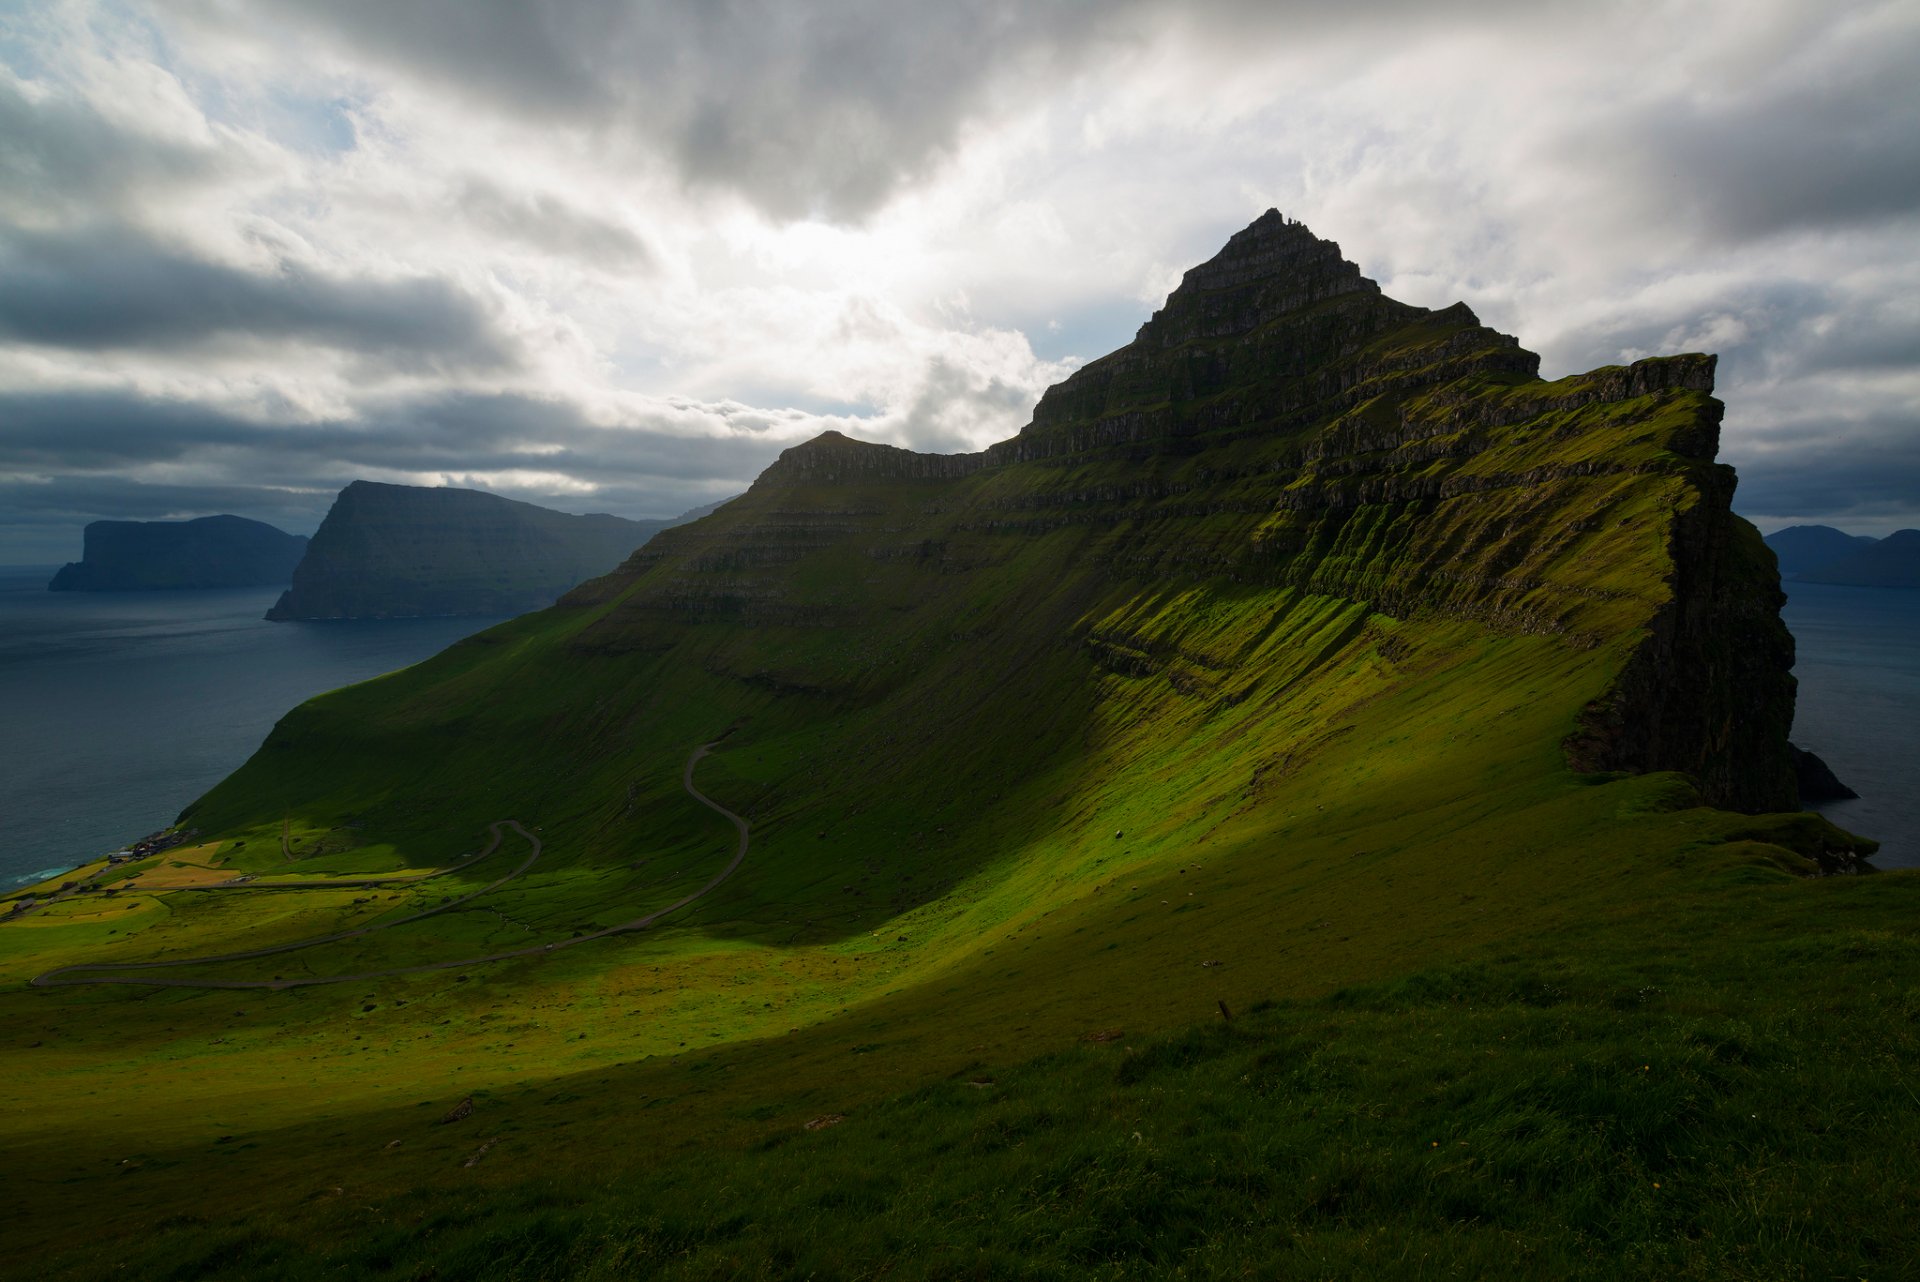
x=1859, y=706
x=117, y=709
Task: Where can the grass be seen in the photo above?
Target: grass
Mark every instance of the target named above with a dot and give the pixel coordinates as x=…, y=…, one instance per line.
x=1610, y=1104
x=1092, y=743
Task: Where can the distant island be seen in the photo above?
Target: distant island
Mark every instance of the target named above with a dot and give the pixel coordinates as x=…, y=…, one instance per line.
x=1822, y=554
x=209, y=552
x=405, y=551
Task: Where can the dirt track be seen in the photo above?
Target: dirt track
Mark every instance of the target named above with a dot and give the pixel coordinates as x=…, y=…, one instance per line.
x=124, y=972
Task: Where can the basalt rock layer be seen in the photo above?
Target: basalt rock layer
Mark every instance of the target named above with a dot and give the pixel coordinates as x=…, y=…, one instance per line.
x=400, y=551
x=209, y=552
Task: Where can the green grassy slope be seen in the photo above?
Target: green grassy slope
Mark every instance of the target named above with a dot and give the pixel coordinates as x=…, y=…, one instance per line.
x=1246, y=675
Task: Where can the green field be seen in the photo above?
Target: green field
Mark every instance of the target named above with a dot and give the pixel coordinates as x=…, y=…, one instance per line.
x=1165, y=861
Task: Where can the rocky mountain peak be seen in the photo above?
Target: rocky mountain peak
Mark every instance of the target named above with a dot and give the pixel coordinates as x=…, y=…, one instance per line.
x=1274, y=249
x=1274, y=332
x=1268, y=268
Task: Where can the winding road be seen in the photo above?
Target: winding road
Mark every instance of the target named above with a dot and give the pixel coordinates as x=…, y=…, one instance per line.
x=119, y=972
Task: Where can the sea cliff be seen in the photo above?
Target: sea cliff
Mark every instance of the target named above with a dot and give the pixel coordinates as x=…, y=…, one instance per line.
x=401, y=551
x=209, y=552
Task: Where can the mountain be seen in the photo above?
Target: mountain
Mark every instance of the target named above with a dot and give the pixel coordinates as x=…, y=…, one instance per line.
x=1892, y=562
x=1284, y=463
x=402, y=551
x=1315, y=800
x=1802, y=549
x=208, y=552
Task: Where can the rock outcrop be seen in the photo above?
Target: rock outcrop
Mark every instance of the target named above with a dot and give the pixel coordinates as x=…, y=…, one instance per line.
x=402, y=551
x=209, y=552
x=1816, y=778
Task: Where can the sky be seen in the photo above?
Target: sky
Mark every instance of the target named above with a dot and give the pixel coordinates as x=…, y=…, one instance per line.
x=615, y=256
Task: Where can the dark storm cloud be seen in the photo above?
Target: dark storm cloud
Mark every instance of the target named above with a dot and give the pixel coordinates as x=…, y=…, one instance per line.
x=450, y=432
x=1863, y=476
x=88, y=431
x=105, y=288
x=41, y=521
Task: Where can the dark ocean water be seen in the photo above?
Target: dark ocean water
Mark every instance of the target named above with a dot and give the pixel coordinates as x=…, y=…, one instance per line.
x=119, y=708
x=1859, y=709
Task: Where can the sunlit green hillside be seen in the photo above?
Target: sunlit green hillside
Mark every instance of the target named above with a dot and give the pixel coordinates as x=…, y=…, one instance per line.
x=1314, y=803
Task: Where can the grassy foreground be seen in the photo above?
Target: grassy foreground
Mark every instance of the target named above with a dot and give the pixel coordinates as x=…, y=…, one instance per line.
x=1719, y=1088
x=1635, y=1039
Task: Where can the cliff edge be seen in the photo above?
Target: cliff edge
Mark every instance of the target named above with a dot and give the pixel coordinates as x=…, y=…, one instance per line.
x=403, y=551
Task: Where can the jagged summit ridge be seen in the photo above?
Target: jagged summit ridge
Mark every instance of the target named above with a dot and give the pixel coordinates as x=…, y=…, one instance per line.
x=1272, y=266
x=1270, y=245
x=1277, y=309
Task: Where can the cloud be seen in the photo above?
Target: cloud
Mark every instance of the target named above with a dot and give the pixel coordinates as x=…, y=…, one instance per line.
x=543, y=221
x=805, y=110
x=106, y=289
x=1823, y=134
x=422, y=435
x=60, y=159
x=1861, y=478
x=823, y=110
x=615, y=255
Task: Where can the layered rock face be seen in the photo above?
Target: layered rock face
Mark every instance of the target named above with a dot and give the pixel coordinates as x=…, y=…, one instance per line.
x=210, y=552
x=400, y=551
x=1281, y=427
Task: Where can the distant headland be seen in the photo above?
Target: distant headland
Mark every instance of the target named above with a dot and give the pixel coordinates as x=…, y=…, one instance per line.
x=208, y=552
x=1822, y=554
x=406, y=551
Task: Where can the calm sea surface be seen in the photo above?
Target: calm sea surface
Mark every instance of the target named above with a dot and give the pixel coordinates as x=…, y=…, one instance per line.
x=1859, y=708
x=119, y=708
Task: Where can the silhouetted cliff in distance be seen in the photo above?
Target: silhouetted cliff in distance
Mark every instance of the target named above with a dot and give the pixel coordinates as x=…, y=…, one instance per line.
x=210, y=552
x=405, y=551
